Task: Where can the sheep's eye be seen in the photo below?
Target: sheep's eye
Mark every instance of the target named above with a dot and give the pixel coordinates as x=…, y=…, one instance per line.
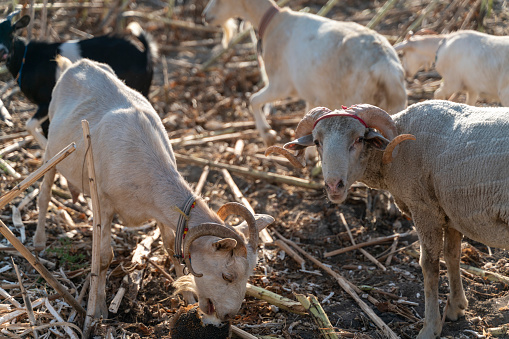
x=359, y=140
x=317, y=143
x=228, y=277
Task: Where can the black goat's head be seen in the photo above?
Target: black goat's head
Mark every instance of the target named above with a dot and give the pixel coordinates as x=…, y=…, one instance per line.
x=7, y=30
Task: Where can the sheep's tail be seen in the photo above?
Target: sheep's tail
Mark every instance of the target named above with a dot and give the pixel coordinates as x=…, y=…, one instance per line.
x=62, y=64
x=146, y=39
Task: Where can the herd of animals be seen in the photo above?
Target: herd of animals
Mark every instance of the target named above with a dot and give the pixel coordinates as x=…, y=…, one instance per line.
x=444, y=162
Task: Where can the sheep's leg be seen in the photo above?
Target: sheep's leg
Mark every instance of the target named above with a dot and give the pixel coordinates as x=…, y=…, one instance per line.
x=263, y=96
x=431, y=239
x=42, y=204
x=452, y=251
x=101, y=309
x=168, y=236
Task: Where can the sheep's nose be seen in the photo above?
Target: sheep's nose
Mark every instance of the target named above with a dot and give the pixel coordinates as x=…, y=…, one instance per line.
x=335, y=185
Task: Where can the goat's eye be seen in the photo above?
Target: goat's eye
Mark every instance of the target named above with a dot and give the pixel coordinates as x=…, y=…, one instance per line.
x=228, y=277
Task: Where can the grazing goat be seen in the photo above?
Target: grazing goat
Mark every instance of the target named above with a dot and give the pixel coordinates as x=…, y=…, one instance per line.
x=452, y=180
x=418, y=50
x=323, y=61
x=468, y=61
x=137, y=179
x=33, y=64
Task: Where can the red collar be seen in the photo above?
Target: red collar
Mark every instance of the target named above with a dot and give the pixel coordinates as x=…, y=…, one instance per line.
x=329, y=115
x=267, y=17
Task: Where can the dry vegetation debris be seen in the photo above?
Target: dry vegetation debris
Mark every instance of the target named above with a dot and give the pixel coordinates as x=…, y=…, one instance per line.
x=206, y=113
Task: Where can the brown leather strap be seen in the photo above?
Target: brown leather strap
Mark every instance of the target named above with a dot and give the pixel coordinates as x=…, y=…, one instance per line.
x=267, y=17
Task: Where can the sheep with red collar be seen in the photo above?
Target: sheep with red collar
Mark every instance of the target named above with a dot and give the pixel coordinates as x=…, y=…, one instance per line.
x=452, y=180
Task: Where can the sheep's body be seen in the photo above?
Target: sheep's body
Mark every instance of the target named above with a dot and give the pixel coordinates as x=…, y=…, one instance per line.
x=475, y=63
x=137, y=179
x=323, y=61
x=452, y=180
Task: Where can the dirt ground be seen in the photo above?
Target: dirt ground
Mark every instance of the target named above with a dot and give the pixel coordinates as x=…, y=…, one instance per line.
x=212, y=102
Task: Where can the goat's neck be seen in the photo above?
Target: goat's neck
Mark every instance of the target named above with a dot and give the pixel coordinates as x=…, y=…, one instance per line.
x=15, y=57
x=254, y=10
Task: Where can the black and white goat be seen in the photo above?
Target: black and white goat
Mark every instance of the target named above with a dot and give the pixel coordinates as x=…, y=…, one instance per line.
x=34, y=67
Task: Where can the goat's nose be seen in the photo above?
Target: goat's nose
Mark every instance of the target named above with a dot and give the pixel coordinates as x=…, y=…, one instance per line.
x=335, y=184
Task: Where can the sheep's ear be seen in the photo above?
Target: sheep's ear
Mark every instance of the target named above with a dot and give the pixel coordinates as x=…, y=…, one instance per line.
x=262, y=221
x=300, y=143
x=375, y=139
x=21, y=23
x=226, y=244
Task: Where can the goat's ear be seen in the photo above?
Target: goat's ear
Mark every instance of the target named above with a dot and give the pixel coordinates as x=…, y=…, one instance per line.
x=262, y=221
x=21, y=23
x=300, y=143
x=375, y=139
x=226, y=244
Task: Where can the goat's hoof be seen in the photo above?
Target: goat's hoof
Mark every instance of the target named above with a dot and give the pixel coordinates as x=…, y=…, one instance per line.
x=39, y=239
x=455, y=312
x=430, y=332
x=270, y=137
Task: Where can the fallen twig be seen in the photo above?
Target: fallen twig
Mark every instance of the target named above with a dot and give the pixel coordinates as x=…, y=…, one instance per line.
x=288, y=250
x=275, y=299
x=271, y=177
x=363, y=251
x=346, y=285
x=364, y=244
x=316, y=311
x=26, y=299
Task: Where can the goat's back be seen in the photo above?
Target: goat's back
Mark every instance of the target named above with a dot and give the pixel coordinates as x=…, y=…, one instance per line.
x=130, y=144
x=338, y=63
x=458, y=162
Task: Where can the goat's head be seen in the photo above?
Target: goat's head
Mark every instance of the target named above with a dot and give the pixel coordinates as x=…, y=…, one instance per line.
x=343, y=139
x=410, y=53
x=217, y=12
x=7, y=30
x=222, y=260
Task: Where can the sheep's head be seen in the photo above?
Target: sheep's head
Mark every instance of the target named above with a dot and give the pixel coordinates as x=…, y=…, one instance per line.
x=7, y=30
x=221, y=258
x=217, y=12
x=343, y=139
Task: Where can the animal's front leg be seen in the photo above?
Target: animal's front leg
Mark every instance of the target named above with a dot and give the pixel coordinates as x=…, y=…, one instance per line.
x=452, y=251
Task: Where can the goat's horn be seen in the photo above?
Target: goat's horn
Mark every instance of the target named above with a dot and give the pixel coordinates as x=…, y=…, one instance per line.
x=208, y=229
x=387, y=156
x=375, y=117
x=241, y=210
x=295, y=161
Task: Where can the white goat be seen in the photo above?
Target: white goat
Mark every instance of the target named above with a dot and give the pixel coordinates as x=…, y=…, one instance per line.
x=137, y=179
x=468, y=61
x=452, y=180
x=418, y=51
x=323, y=61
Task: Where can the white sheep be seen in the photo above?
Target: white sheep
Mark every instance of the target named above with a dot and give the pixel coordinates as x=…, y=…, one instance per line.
x=137, y=179
x=323, y=61
x=452, y=180
x=468, y=61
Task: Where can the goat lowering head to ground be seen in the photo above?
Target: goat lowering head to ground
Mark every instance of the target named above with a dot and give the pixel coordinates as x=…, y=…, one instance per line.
x=452, y=180
x=33, y=65
x=323, y=61
x=137, y=179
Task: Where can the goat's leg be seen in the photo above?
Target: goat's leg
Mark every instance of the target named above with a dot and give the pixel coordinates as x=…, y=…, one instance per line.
x=32, y=125
x=101, y=309
x=42, y=204
x=168, y=236
x=431, y=239
x=472, y=97
x=452, y=251
x=263, y=96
